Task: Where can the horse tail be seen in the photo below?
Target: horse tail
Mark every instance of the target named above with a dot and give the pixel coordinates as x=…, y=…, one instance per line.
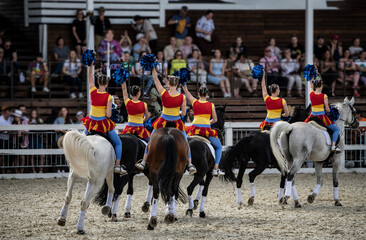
x=79, y=153
x=278, y=128
x=101, y=197
x=232, y=155
x=167, y=170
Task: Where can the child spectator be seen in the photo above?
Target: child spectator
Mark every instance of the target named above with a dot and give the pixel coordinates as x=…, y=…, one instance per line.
x=79, y=115
x=38, y=71
x=144, y=26
x=170, y=49
x=71, y=71
x=182, y=22
x=60, y=53
x=79, y=32
x=217, y=73
x=163, y=65
x=144, y=75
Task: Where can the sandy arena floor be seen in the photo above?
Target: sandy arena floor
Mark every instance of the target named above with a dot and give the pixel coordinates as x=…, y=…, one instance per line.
x=29, y=209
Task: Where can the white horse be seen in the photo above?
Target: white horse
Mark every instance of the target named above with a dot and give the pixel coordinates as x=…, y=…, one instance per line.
x=92, y=158
x=301, y=141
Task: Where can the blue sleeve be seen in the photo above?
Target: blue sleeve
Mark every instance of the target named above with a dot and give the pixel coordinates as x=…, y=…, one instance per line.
x=175, y=17
x=188, y=20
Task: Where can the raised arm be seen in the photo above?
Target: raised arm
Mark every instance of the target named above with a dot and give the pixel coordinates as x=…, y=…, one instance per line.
x=158, y=85
x=263, y=84
x=124, y=92
x=188, y=94
x=91, y=75
x=214, y=116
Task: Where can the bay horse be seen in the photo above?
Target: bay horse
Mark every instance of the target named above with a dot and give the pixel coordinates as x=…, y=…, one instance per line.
x=301, y=141
x=91, y=157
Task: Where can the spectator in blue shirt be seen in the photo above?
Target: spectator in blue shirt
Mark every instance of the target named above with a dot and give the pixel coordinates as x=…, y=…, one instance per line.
x=182, y=22
x=140, y=46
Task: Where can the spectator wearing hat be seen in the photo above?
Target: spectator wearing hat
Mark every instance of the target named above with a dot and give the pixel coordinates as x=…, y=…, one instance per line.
x=297, y=50
x=206, y=40
x=336, y=49
x=140, y=46
x=5, y=119
x=101, y=24
x=319, y=47
x=182, y=22
x=355, y=49
x=79, y=115
x=170, y=49
x=38, y=71
x=20, y=140
x=145, y=27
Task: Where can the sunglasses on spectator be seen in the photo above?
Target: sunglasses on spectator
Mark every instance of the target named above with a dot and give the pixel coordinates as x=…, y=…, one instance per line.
x=267, y=50
x=179, y=54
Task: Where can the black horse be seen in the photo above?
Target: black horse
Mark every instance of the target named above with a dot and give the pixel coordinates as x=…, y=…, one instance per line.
x=204, y=162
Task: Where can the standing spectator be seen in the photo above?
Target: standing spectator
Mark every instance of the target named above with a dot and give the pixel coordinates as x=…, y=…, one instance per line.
x=115, y=49
x=101, y=24
x=217, y=73
x=237, y=48
x=319, y=48
x=144, y=75
x=23, y=109
x=64, y=118
x=297, y=50
x=355, y=49
x=126, y=43
x=5, y=119
x=182, y=22
x=178, y=62
x=243, y=71
x=361, y=66
x=38, y=70
x=60, y=53
x=290, y=68
x=79, y=33
x=271, y=65
x=20, y=140
x=274, y=49
x=55, y=113
x=163, y=65
x=206, y=40
x=170, y=49
x=145, y=27
x=188, y=47
x=36, y=140
x=336, y=49
x=328, y=71
x=5, y=70
x=140, y=46
x=79, y=115
x=71, y=71
x=10, y=55
x=348, y=71
x=198, y=69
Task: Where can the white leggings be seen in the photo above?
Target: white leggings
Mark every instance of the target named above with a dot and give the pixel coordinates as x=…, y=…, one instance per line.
x=292, y=79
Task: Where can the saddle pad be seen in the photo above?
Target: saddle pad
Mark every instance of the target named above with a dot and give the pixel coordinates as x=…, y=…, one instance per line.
x=143, y=141
x=212, y=149
x=201, y=138
x=328, y=141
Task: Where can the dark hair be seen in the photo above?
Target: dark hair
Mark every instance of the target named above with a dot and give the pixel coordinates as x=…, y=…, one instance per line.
x=330, y=53
x=37, y=118
x=173, y=81
x=79, y=10
x=140, y=55
x=273, y=88
x=20, y=105
x=175, y=54
x=58, y=39
x=354, y=39
x=135, y=90
x=101, y=78
x=203, y=91
x=243, y=55
x=39, y=55
x=293, y=35
x=7, y=40
x=137, y=17
x=317, y=83
x=208, y=12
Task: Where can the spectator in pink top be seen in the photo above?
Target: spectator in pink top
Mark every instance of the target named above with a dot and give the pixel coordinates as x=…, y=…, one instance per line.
x=115, y=49
x=270, y=64
x=188, y=47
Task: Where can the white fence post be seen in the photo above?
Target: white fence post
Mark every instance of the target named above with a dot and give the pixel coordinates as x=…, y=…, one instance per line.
x=162, y=6
x=228, y=135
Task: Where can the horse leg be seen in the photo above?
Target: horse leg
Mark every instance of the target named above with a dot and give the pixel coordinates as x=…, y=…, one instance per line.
x=204, y=194
x=146, y=206
x=199, y=194
x=70, y=184
x=293, y=170
x=91, y=190
x=336, y=162
x=239, y=182
x=129, y=197
x=295, y=196
x=197, y=179
x=115, y=209
x=153, y=220
x=319, y=181
x=106, y=210
x=281, y=192
x=259, y=168
x=169, y=212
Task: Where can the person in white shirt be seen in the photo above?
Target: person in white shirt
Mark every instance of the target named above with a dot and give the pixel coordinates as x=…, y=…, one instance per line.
x=206, y=40
x=243, y=71
x=170, y=49
x=72, y=70
x=355, y=49
x=290, y=68
x=198, y=69
x=5, y=119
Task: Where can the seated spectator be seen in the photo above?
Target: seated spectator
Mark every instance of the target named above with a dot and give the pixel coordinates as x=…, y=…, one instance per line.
x=144, y=76
x=297, y=50
x=155, y=103
x=276, y=51
x=347, y=71
x=79, y=115
x=206, y=40
x=79, y=33
x=170, y=49
x=178, y=62
x=182, y=22
x=126, y=43
x=60, y=53
x=38, y=71
x=271, y=65
x=101, y=24
x=5, y=70
x=198, y=69
x=115, y=49
x=328, y=71
x=5, y=141
x=10, y=55
x=144, y=26
x=140, y=46
x=71, y=71
x=237, y=48
x=355, y=49
x=243, y=72
x=319, y=48
x=361, y=66
x=36, y=141
x=217, y=73
x=163, y=65
x=127, y=63
x=20, y=140
x=290, y=68
x=188, y=47
x=336, y=49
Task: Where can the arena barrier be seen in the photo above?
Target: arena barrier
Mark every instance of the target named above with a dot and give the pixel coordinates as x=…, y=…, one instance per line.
x=33, y=148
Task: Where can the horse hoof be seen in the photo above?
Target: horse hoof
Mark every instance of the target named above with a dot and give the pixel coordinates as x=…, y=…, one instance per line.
x=106, y=210
x=150, y=227
x=110, y=214
x=127, y=215
x=145, y=207
x=240, y=205
x=297, y=204
x=338, y=203
x=114, y=218
x=202, y=214
x=250, y=201
x=153, y=222
x=169, y=218
x=195, y=204
x=80, y=232
x=61, y=222
x=189, y=212
x=283, y=201
x=311, y=198
x=175, y=219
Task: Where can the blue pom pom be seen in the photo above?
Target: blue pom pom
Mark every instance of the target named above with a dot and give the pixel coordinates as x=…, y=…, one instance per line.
x=309, y=72
x=120, y=75
x=333, y=114
x=115, y=117
x=88, y=57
x=148, y=62
x=184, y=75
x=257, y=72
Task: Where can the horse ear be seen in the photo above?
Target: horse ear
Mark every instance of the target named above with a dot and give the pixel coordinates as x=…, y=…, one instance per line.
x=346, y=100
x=352, y=101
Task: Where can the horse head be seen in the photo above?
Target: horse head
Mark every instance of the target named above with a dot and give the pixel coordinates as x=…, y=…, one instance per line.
x=219, y=125
x=347, y=112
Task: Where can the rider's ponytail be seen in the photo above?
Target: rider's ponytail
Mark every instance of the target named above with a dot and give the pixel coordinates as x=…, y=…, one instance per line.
x=135, y=90
x=203, y=91
x=102, y=79
x=273, y=88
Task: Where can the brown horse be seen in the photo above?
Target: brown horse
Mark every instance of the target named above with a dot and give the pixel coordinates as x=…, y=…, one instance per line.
x=167, y=159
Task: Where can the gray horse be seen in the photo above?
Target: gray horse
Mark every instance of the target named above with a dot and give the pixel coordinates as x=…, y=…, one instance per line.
x=301, y=141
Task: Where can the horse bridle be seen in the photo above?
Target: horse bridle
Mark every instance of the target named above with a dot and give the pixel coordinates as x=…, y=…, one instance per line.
x=353, y=124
